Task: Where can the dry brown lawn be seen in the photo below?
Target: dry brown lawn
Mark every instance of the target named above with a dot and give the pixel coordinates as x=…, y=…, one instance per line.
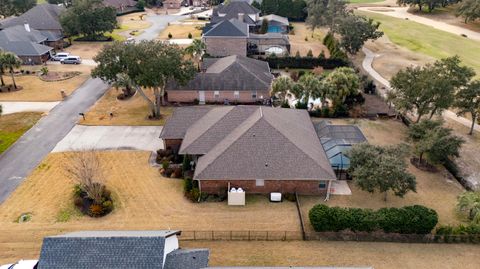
x=298, y=43
x=181, y=31
x=86, y=50
x=35, y=89
x=133, y=111
x=315, y=253
x=143, y=200
x=435, y=190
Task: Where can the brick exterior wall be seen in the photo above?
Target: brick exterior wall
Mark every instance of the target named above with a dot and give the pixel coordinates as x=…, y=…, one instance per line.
x=306, y=187
x=189, y=96
x=221, y=47
x=174, y=144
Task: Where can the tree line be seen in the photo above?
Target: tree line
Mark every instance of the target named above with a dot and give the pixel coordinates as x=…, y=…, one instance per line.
x=15, y=7
x=292, y=9
x=468, y=9
x=353, y=30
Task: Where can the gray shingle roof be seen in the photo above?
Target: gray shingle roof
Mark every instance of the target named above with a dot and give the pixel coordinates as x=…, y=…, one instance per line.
x=232, y=73
x=19, y=33
x=212, y=128
x=40, y=17
x=272, y=143
x=24, y=48
x=118, y=250
x=230, y=28
x=187, y=259
x=236, y=7
x=112, y=250
x=181, y=119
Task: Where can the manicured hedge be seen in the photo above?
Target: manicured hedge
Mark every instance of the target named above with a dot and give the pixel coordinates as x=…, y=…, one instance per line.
x=304, y=62
x=415, y=219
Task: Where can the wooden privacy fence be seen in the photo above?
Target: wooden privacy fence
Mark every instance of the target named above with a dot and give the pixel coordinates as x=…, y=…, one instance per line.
x=326, y=236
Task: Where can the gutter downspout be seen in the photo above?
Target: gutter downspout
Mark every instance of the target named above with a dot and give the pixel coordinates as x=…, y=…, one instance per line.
x=328, y=190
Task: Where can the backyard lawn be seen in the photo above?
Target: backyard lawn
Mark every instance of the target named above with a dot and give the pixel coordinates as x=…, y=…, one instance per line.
x=13, y=126
x=427, y=40
x=133, y=111
x=435, y=190
x=317, y=253
x=302, y=40
x=181, y=31
x=35, y=89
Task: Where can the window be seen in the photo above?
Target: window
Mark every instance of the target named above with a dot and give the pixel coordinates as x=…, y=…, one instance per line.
x=216, y=94
x=254, y=95
x=322, y=185
x=236, y=95
x=259, y=183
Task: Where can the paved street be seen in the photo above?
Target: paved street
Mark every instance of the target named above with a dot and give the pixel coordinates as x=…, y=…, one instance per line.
x=159, y=22
x=111, y=138
x=17, y=162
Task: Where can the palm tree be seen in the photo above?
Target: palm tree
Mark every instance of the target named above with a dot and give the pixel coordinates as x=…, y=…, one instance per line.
x=10, y=61
x=470, y=202
x=2, y=68
x=281, y=87
x=196, y=49
x=310, y=86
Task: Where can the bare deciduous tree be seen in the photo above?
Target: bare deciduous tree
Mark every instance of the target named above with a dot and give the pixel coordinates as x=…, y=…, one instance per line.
x=85, y=168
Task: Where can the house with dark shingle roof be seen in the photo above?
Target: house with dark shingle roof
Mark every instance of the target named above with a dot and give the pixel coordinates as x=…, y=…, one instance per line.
x=118, y=250
x=44, y=18
x=259, y=149
x=121, y=6
x=228, y=37
x=233, y=30
x=28, y=44
x=234, y=78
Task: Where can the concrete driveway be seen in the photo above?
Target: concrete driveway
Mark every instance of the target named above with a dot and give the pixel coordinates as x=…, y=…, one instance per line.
x=159, y=22
x=111, y=138
x=15, y=107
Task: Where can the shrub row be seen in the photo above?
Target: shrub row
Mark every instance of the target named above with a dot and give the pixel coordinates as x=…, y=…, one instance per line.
x=304, y=62
x=415, y=219
x=333, y=47
x=472, y=229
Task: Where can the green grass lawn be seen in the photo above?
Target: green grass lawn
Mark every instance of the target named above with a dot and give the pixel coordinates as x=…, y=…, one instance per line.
x=427, y=40
x=13, y=126
x=41, y=1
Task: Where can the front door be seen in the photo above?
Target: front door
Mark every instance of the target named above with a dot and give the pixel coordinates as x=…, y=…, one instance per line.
x=201, y=97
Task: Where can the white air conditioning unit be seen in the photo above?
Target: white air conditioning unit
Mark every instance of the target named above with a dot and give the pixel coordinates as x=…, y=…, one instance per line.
x=275, y=197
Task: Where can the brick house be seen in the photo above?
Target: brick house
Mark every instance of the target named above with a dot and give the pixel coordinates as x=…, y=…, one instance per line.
x=229, y=37
x=234, y=78
x=260, y=149
x=172, y=4
x=234, y=30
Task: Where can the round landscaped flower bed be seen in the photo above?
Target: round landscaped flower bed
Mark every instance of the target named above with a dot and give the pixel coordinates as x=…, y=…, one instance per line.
x=98, y=206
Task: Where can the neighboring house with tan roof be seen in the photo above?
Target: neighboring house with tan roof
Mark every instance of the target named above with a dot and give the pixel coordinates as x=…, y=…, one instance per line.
x=234, y=78
x=260, y=149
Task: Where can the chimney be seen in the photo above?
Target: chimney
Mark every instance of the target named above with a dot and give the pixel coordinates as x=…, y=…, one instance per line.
x=27, y=26
x=241, y=17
